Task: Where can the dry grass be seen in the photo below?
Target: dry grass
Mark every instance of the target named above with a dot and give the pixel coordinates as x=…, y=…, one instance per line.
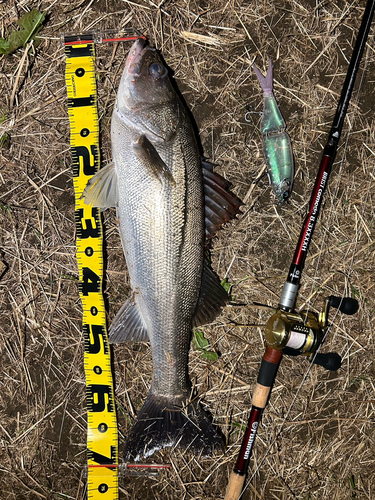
x=317, y=436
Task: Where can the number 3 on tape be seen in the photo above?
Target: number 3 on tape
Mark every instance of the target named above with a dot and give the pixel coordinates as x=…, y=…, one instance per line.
x=102, y=438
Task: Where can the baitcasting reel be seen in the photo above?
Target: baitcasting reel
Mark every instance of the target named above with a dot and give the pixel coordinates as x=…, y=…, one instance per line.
x=303, y=333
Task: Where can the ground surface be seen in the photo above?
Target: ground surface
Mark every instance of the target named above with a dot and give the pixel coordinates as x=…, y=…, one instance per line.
x=317, y=436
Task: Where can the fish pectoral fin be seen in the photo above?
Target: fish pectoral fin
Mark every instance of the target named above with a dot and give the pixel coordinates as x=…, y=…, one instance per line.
x=102, y=189
x=212, y=298
x=128, y=325
x=150, y=159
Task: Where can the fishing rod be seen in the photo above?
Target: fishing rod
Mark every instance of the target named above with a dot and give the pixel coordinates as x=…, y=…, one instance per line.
x=289, y=332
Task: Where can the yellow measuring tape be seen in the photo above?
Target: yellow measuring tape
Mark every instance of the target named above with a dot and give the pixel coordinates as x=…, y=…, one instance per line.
x=102, y=435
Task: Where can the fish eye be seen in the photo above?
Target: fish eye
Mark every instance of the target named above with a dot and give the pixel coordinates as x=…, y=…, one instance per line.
x=156, y=70
x=286, y=195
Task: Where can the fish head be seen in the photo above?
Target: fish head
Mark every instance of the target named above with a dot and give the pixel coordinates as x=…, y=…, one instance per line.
x=146, y=95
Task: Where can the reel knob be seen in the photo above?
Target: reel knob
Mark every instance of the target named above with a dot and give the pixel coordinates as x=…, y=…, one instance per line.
x=330, y=361
x=346, y=305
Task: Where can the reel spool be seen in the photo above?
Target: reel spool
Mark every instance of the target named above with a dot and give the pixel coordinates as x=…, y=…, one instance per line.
x=303, y=333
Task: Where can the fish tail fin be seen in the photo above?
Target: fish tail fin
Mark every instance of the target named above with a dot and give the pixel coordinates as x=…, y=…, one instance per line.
x=266, y=82
x=163, y=423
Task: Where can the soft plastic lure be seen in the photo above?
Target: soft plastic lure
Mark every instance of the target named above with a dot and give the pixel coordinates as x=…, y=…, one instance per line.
x=277, y=147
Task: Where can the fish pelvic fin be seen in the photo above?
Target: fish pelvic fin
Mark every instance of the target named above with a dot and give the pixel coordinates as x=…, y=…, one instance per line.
x=151, y=160
x=221, y=205
x=266, y=82
x=102, y=189
x=164, y=423
x=128, y=325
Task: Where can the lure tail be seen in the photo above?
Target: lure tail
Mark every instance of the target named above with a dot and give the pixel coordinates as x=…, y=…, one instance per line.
x=266, y=82
x=163, y=423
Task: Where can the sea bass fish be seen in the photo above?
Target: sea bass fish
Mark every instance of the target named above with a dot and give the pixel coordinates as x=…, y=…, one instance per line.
x=277, y=147
x=168, y=201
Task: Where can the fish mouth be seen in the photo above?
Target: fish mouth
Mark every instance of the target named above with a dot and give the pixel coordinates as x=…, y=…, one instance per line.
x=137, y=57
x=133, y=58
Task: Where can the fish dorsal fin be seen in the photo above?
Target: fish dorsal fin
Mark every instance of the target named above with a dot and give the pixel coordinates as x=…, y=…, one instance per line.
x=151, y=161
x=220, y=204
x=128, y=325
x=212, y=298
x=102, y=189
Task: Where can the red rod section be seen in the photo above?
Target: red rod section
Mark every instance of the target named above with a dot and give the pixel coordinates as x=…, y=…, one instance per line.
x=315, y=203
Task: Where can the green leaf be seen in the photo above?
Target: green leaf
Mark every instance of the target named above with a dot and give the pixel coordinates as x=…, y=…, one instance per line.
x=352, y=482
x=199, y=341
x=3, y=139
x=226, y=285
x=4, y=46
x=210, y=355
x=32, y=23
x=4, y=136
x=240, y=426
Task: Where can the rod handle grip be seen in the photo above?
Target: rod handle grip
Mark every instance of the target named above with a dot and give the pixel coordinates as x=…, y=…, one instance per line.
x=260, y=395
x=266, y=376
x=235, y=486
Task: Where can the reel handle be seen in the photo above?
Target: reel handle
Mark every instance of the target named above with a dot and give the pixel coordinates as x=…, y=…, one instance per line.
x=330, y=361
x=346, y=305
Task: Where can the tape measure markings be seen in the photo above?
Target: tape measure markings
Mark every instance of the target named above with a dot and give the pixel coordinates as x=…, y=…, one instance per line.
x=102, y=434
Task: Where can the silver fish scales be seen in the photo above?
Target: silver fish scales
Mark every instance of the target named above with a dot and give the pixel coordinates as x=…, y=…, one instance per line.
x=169, y=202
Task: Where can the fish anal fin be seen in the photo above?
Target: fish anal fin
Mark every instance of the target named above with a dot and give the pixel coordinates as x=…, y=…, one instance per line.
x=151, y=160
x=221, y=205
x=212, y=298
x=102, y=189
x=128, y=325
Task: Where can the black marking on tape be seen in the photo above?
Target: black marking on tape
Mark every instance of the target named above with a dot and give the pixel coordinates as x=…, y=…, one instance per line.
x=103, y=488
x=103, y=427
x=79, y=102
x=95, y=339
x=100, y=398
x=90, y=282
x=78, y=38
x=102, y=459
x=84, y=132
x=80, y=72
x=89, y=158
x=88, y=227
